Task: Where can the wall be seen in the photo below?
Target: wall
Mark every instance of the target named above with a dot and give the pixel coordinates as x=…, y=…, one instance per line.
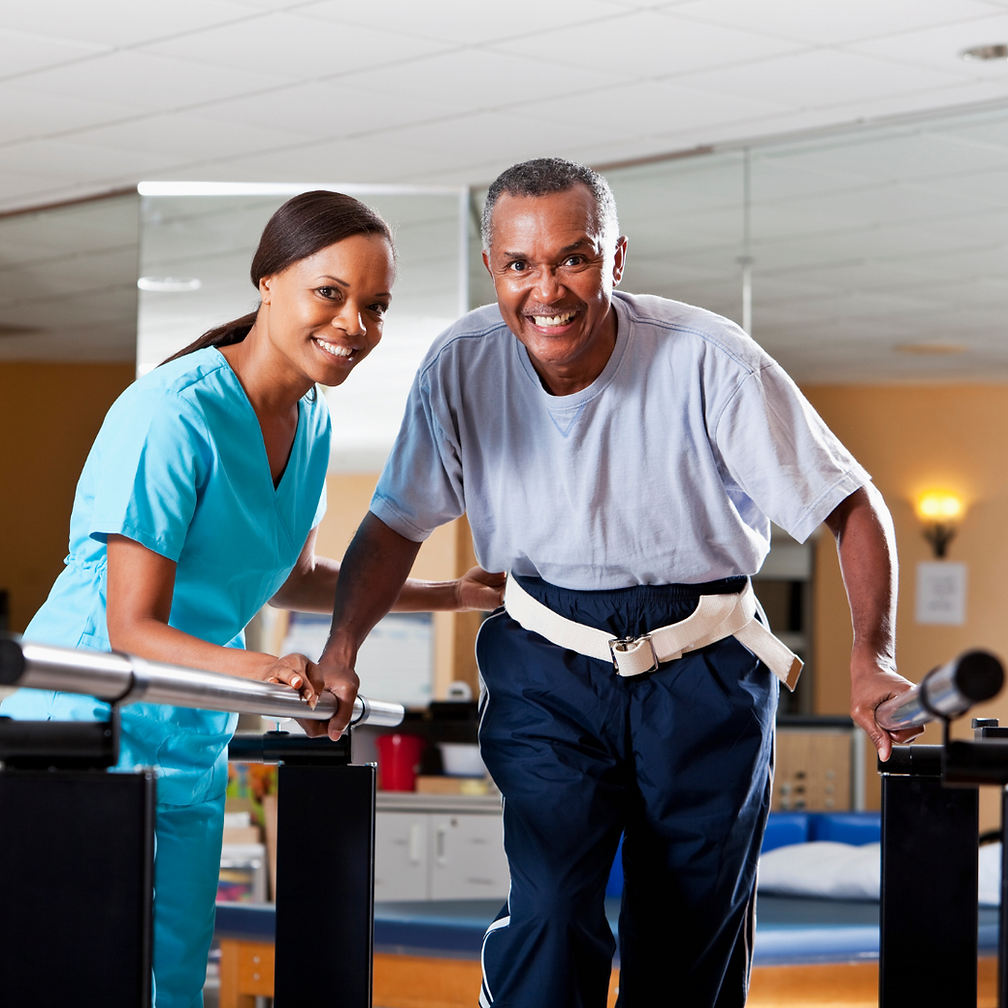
x=445, y=555
x=49, y=415
x=911, y=438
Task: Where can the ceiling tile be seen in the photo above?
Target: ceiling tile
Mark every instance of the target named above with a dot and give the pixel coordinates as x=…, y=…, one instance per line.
x=822, y=77
x=463, y=22
x=484, y=79
x=21, y=52
x=332, y=109
x=834, y=23
x=940, y=47
x=26, y=113
x=64, y=160
x=154, y=82
x=115, y=23
x=327, y=163
x=185, y=136
x=501, y=134
x=648, y=44
x=295, y=47
x=647, y=108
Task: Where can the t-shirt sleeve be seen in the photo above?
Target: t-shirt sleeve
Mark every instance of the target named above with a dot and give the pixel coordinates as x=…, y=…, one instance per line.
x=421, y=485
x=153, y=457
x=781, y=455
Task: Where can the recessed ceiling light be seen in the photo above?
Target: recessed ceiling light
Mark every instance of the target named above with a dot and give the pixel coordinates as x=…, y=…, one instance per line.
x=932, y=349
x=986, y=52
x=169, y=285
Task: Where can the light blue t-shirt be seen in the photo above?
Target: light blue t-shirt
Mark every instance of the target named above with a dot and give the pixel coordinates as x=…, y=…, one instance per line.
x=664, y=470
x=180, y=466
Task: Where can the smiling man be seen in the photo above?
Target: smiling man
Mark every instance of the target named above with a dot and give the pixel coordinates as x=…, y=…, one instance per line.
x=621, y=456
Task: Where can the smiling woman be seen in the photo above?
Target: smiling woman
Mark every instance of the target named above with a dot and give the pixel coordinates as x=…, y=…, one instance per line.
x=199, y=503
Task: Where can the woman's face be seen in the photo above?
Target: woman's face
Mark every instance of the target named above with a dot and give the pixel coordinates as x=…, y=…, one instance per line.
x=325, y=313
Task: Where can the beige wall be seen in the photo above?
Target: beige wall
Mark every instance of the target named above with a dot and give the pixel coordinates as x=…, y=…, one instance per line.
x=446, y=554
x=910, y=438
x=49, y=415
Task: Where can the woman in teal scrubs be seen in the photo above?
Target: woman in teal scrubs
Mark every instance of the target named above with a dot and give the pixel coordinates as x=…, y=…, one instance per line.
x=198, y=503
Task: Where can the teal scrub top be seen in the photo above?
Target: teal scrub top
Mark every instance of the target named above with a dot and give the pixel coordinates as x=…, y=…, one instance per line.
x=180, y=466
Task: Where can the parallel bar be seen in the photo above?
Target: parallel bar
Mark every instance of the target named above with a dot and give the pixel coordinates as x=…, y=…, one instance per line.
x=125, y=679
x=947, y=691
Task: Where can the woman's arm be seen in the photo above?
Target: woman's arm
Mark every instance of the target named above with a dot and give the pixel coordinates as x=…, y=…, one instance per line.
x=141, y=584
x=311, y=587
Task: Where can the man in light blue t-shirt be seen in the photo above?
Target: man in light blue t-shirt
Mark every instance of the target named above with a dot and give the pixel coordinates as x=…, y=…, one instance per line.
x=622, y=457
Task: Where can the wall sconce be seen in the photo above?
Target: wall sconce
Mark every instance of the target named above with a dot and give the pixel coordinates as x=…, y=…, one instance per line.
x=939, y=511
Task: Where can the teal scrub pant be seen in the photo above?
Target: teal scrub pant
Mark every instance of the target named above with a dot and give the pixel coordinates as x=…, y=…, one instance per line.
x=186, y=866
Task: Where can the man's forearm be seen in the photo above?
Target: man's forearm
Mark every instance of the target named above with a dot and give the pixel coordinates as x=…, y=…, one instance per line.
x=371, y=578
x=866, y=546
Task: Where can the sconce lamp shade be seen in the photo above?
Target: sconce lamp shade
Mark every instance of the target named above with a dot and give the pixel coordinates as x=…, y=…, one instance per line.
x=939, y=506
x=939, y=511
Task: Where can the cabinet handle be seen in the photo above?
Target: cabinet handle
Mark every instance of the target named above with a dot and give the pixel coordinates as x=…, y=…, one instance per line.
x=439, y=844
x=416, y=838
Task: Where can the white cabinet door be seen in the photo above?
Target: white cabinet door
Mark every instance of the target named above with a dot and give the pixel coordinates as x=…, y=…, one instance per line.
x=401, y=867
x=467, y=857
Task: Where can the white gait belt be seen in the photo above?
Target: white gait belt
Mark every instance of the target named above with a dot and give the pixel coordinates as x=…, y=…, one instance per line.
x=715, y=617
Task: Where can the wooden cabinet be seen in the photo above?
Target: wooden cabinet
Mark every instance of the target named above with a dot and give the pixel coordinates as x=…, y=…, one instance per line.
x=439, y=847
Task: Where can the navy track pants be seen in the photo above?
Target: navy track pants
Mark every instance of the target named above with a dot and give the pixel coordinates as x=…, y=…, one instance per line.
x=679, y=759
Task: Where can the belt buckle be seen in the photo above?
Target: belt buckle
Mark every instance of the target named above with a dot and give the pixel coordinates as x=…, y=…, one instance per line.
x=627, y=645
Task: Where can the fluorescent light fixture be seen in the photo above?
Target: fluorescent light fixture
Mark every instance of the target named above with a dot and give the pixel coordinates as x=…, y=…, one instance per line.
x=286, y=189
x=168, y=284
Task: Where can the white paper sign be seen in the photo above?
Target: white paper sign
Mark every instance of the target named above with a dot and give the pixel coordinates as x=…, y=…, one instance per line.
x=941, y=593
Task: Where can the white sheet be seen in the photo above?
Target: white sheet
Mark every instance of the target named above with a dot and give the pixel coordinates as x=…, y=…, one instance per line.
x=830, y=870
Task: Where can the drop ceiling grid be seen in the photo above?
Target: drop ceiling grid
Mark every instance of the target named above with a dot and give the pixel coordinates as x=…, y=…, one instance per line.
x=679, y=69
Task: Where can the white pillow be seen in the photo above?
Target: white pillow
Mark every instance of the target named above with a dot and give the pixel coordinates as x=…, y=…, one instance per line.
x=842, y=871
x=822, y=868
x=989, y=875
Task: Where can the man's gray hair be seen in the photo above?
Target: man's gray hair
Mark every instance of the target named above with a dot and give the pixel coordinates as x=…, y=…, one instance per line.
x=544, y=176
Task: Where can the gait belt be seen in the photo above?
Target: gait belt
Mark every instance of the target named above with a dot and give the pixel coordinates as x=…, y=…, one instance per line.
x=715, y=617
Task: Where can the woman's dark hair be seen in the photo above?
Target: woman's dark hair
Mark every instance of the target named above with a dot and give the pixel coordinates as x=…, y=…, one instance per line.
x=303, y=226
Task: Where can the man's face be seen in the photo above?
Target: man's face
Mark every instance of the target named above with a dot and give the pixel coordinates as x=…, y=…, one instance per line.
x=554, y=274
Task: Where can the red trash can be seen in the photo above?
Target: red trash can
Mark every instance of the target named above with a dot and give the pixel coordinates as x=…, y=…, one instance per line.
x=398, y=761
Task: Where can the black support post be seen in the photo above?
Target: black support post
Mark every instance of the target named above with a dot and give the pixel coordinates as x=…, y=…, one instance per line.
x=76, y=878
x=928, y=912
x=325, y=886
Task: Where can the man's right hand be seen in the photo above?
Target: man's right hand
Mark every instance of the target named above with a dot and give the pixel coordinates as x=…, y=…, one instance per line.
x=341, y=680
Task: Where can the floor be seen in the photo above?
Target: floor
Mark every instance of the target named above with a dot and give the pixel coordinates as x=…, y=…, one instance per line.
x=834, y=985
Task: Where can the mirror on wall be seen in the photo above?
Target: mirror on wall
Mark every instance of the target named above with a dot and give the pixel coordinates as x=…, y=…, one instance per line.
x=197, y=242
x=874, y=253
x=68, y=281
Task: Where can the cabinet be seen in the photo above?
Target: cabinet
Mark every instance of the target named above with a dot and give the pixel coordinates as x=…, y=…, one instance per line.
x=437, y=847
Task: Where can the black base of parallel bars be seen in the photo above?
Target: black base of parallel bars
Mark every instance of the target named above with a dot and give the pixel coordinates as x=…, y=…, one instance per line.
x=76, y=921
x=76, y=918
x=928, y=905
x=325, y=870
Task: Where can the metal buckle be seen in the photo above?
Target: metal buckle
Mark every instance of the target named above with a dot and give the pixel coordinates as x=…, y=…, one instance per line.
x=626, y=644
